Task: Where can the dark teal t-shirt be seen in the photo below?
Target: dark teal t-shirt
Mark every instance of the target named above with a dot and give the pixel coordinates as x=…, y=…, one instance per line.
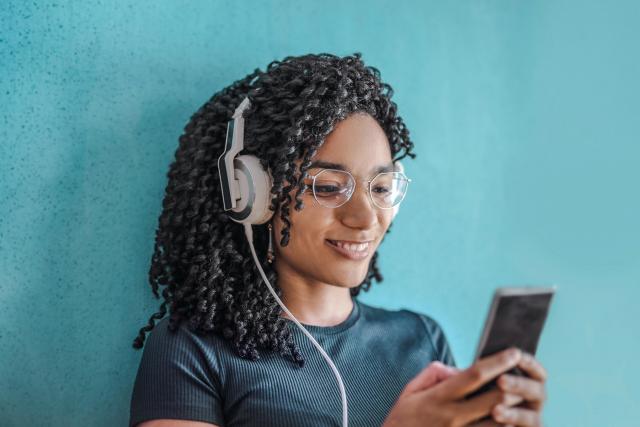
x=377, y=352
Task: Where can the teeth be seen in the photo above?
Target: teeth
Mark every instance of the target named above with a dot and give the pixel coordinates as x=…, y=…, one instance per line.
x=354, y=247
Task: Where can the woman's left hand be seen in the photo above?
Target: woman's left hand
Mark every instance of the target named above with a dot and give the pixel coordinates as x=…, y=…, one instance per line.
x=532, y=391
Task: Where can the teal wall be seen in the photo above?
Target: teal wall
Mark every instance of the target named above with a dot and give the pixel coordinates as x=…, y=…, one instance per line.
x=524, y=116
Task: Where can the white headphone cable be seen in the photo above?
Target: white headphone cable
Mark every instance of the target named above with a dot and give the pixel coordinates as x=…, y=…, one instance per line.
x=249, y=233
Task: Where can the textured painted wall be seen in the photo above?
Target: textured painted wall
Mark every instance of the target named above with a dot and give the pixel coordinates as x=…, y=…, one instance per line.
x=524, y=116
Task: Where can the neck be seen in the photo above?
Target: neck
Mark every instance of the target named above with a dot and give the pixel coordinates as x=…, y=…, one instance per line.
x=312, y=302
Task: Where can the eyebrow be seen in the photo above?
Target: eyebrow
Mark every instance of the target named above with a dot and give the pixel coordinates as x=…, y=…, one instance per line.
x=330, y=165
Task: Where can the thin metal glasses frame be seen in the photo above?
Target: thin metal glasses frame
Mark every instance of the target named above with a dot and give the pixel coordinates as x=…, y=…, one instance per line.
x=313, y=187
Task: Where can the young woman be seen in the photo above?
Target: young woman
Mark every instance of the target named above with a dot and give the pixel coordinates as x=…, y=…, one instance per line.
x=227, y=354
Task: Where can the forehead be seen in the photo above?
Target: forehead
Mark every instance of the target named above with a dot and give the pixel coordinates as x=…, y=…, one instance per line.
x=358, y=143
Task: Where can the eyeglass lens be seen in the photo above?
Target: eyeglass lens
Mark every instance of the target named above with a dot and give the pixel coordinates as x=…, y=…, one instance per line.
x=333, y=188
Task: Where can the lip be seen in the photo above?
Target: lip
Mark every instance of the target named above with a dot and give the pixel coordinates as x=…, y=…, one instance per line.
x=355, y=256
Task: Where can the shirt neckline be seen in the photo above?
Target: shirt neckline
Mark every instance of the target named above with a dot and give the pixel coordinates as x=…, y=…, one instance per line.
x=330, y=330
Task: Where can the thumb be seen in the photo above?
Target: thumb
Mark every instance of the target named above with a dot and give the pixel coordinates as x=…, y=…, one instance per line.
x=430, y=376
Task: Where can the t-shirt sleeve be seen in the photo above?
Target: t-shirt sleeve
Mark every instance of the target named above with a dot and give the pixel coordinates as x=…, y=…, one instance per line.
x=177, y=379
x=439, y=340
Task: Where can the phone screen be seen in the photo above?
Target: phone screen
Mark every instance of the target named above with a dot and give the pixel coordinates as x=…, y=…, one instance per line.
x=516, y=319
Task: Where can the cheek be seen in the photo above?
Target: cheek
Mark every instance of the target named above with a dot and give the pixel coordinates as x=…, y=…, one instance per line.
x=307, y=229
x=384, y=218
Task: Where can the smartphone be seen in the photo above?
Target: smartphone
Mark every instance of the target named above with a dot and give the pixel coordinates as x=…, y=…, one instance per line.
x=516, y=318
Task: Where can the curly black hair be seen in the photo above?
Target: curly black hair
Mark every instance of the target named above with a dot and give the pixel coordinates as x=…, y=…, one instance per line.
x=201, y=257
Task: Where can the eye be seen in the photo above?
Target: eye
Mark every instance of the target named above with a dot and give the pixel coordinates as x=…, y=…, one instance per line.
x=328, y=189
x=380, y=189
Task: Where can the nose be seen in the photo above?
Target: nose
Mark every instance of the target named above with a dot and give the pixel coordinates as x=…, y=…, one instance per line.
x=359, y=211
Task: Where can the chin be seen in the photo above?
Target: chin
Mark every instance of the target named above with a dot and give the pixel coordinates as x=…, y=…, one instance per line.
x=348, y=280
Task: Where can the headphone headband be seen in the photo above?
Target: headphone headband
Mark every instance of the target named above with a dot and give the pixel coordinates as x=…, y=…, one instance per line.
x=234, y=143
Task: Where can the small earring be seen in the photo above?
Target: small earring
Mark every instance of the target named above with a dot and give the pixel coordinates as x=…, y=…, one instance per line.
x=270, y=254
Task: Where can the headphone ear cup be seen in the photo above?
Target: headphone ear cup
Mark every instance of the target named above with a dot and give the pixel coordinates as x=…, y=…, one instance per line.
x=255, y=191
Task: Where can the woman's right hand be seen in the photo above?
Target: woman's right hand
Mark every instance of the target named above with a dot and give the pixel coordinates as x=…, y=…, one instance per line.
x=439, y=401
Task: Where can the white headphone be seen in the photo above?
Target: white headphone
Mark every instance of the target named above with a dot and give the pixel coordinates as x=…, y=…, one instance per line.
x=245, y=184
x=245, y=187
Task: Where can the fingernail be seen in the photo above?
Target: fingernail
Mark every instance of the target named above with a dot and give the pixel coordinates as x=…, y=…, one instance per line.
x=514, y=354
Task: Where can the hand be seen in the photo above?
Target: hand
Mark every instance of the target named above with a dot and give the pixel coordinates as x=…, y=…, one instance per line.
x=433, y=374
x=436, y=396
x=532, y=390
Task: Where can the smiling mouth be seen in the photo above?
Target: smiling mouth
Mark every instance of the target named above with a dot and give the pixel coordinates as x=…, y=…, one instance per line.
x=354, y=251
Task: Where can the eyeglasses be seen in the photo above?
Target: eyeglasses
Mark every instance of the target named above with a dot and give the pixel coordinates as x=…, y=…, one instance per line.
x=333, y=188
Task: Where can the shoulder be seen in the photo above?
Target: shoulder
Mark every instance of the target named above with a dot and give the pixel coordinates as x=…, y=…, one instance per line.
x=182, y=346
x=412, y=325
x=163, y=335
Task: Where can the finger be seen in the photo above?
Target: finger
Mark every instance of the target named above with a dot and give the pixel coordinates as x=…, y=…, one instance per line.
x=481, y=372
x=432, y=374
x=520, y=417
x=480, y=406
x=530, y=389
x=532, y=367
